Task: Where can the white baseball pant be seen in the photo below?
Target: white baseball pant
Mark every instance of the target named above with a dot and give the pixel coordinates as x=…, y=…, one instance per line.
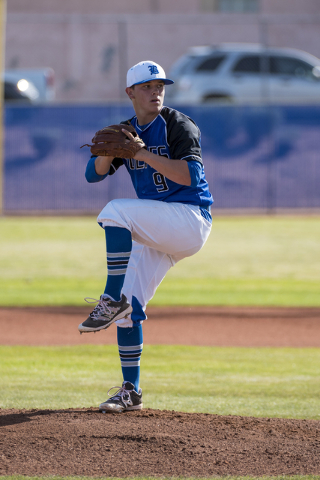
x=162, y=234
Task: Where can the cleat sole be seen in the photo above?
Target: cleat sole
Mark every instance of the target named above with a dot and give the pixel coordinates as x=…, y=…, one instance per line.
x=104, y=327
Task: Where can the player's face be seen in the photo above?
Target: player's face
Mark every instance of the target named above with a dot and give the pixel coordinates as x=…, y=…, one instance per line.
x=148, y=97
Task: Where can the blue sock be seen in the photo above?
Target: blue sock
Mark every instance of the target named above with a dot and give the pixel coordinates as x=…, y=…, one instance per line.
x=130, y=344
x=119, y=246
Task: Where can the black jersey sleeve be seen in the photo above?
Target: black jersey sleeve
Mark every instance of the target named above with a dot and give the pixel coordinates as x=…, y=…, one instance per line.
x=183, y=135
x=116, y=163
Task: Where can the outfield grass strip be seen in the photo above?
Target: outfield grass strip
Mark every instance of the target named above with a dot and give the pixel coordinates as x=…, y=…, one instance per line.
x=270, y=260
x=259, y=382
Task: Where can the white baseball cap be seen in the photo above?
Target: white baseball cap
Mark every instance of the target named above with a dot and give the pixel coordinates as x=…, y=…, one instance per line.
x=146, y=71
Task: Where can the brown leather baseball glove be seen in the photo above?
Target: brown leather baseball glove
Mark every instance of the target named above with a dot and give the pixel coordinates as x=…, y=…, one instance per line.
x=111, y=141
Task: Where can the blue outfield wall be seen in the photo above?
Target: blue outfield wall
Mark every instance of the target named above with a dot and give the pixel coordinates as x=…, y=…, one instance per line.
x=260, y=157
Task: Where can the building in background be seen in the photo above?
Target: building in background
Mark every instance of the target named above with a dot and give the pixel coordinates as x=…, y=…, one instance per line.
x=90, y=45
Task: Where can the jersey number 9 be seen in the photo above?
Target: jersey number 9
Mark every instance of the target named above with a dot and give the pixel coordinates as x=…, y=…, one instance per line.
x=160, y=182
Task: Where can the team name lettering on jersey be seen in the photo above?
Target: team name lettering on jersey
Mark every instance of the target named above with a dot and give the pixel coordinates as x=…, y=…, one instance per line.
x=136, y=164
x=139, y=164
x=159, y=150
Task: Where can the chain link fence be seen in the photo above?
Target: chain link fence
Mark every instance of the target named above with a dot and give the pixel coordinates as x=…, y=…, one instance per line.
x=256, y=158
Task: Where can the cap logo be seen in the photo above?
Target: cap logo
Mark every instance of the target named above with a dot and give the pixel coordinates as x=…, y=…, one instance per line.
x=153, y=69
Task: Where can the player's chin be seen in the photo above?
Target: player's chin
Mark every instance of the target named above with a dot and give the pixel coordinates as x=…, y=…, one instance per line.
x=156, y=106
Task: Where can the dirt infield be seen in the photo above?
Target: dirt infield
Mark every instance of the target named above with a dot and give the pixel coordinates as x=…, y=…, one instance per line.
x=221, y=326
x=153, y=442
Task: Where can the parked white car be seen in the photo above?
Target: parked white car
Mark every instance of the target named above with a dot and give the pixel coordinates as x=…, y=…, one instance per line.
x=245, y=73
x=35, y=83
x=20, y=91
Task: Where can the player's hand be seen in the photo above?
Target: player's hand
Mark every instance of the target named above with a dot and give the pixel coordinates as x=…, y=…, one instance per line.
x=129, y=135
x=134, y=140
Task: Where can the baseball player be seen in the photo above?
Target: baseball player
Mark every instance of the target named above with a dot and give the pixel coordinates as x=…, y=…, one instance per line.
x=145, y=237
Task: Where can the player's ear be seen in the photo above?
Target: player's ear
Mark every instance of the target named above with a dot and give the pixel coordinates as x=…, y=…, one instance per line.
x=130, y=93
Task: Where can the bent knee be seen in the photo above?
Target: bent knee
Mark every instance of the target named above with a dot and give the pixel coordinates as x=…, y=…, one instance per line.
x=113, y=215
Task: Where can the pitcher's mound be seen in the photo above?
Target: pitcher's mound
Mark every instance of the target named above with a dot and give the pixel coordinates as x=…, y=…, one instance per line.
x=85, y=442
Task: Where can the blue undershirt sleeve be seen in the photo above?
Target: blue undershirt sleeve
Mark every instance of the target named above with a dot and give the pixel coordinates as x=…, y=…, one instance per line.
x=91, y=175
x=195, y=169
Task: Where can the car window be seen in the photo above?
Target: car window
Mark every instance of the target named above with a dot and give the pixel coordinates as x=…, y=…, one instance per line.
x=248, y=64
x=210, y=64
x=290, y=66
x=183, y=64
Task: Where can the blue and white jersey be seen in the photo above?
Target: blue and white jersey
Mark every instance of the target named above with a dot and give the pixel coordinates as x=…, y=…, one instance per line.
x=173, y=135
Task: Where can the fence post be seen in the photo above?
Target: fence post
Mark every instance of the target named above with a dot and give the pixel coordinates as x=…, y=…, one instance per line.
x=123, y=57
x=2, y=50
x=265, y=95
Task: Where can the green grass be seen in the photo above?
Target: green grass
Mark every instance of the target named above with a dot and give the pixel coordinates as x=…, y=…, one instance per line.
x=260, y=382
x=246, y=261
